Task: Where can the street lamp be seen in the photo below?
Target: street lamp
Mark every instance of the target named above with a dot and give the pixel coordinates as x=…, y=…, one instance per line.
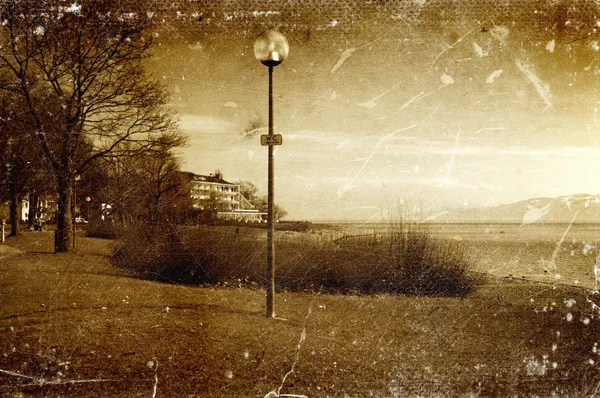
x=270, y=48
x=74, y=208
x=87, y=200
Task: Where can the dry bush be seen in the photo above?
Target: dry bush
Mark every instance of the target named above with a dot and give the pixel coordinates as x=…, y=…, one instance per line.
x=405, y=260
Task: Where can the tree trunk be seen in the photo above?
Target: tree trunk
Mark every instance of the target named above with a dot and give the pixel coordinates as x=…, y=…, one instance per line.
x=15, y=210
x=64, y=222
x=33, y=209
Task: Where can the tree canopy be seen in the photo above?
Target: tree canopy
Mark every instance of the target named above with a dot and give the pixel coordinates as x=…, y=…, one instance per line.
x=78, y=71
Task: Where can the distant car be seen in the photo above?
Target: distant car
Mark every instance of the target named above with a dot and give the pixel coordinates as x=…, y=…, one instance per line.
x=80, y=220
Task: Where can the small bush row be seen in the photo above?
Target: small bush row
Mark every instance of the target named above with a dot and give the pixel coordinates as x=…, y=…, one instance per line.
x=405, y=260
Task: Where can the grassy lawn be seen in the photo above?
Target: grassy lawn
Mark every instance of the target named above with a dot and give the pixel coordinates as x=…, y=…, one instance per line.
x=72, y=324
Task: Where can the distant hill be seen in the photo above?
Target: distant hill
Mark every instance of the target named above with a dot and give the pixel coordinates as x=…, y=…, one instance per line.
x=582, y=208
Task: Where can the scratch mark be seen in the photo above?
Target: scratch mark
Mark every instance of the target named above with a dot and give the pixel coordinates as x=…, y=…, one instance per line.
x=343, y=57
x=542, y=88
x=450, y=165
x=371, y=103
x=552, y=263
x=489, y=129
x=415, y=98
x=596, y=273
x=368, y=158
x=420, y=96
x=460, y=39
x=594, y=305
x=43, y=382
x=155, y=389
x=348, y=52
x=276, y=394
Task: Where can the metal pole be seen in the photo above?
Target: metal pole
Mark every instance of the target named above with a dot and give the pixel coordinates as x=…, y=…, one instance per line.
x=74, y=208
x=270, y=199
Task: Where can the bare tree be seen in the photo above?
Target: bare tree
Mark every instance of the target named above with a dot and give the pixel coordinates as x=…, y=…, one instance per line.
x=159, y=175
x=20, y=161
x=146, y=186
x=78, y=70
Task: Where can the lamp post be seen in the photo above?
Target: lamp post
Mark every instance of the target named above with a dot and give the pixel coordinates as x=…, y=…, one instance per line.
x=270, y=48
x=74, y=207
x=87, y=201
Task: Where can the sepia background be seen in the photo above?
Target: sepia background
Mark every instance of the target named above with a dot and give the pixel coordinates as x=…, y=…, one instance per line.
x=443, y=104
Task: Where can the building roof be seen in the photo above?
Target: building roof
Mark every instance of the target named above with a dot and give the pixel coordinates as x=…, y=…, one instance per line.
x=217, y=179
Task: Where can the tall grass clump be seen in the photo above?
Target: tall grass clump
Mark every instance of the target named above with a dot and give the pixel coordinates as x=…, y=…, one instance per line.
x=159, y=252
x=405, y=259
x=425, y=265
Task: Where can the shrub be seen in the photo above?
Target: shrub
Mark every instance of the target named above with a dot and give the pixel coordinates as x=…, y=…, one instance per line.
x=404, y=260
x=105, y=229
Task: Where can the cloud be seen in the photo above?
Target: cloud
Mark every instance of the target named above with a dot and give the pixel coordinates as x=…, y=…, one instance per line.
x=204, y=124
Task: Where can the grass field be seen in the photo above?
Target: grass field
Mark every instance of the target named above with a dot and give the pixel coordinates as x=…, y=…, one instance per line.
x=73, y=325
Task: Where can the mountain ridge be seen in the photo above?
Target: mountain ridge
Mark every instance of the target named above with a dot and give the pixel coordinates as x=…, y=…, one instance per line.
x=579, y=208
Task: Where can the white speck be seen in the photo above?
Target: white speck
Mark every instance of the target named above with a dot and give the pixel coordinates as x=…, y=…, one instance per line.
x=333, y=23
x=499, y=32
x=74, y=8
x=446, y=79
x=229, y=374
x=479, y=51
x=534, y=367
x=570, y=303
x=532, y=300
x=554, y=365
x=595, y=45
x=493, y=76
x=246, y=354
x=150, y=364
x=39, y=31
x=182, y=77
x=586, y=321
x=550, y=46
x=167, y=309
x=591, y=361
x=103, y=308
x=557, y=276
x=569, y=317
x=554, y=347
x=231, y=104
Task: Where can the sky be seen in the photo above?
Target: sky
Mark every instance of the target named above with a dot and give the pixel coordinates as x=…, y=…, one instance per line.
x=427, y=105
